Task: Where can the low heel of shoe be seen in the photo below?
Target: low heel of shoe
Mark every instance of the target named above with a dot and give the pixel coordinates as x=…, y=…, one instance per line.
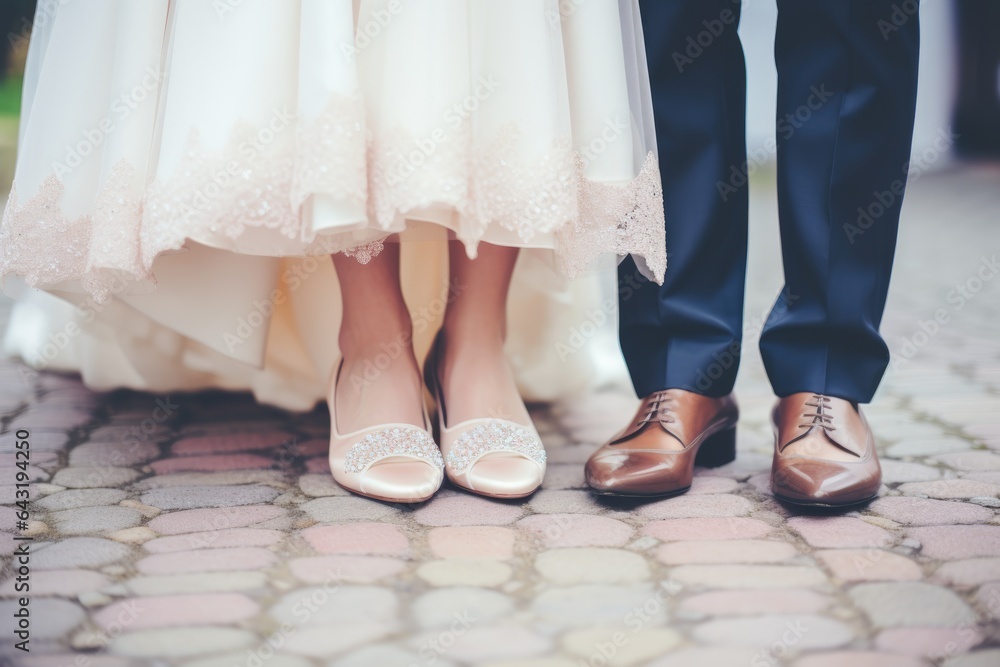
x=717, y=450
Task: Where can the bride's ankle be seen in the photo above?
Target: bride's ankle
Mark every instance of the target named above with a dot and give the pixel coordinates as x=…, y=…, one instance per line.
x=380, y=346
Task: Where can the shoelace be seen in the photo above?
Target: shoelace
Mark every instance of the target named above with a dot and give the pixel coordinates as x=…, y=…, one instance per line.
x=819, y=417
x=661, y=406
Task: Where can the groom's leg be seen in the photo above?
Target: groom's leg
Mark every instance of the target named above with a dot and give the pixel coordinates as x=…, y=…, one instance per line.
x=687, y=333
x=847, y=78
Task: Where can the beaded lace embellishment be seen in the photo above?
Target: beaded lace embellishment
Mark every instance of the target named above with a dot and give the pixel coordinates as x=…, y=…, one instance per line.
x=389, y=442
x=113, y=248
x=493, y=437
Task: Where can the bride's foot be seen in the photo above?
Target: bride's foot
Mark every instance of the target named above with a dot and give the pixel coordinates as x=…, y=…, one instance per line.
x=379, y=443
x=380, y=446
x=487, y=438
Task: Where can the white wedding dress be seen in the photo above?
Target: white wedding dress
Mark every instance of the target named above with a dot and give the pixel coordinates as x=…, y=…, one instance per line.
x=186, y=167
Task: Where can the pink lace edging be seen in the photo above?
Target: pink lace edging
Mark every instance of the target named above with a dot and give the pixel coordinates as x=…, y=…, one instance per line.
x=115, y=246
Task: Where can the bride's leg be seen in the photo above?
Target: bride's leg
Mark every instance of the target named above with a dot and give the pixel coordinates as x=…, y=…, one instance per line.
x=380, y=381
x=476, y=379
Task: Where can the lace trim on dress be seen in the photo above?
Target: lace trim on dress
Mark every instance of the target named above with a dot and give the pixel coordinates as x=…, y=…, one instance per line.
x=39, y=242
x=621, y=219
x=260, y=180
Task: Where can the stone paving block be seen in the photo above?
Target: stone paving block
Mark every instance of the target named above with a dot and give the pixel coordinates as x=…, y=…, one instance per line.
x=955, y=542
x=76, y=498
x=985, y=658
x=442, y=607
x=204, y=582
x=623, y=646
x=215, y=539
x=350, y=508
x=465, y=572
x=851, y=565
x=911, y=604
x=191, y=497
x=181, y=642
x=379, y=655
x=703, y=506
x=721, y=528
x=347, y=569
x=90, y=520
x=472, y=542
x=494, y=642
x=325, y=642
x=948, y=489
x=754, y=602
x=968, y=573
x=928, y=447
x=207, y=560
x=114, y=454
x=748, y=576
x=973, y=461
x=358, y=538
x=273, y=478
x=60, y=618
x=839, y=532
x=58, y=583
x=777, y=633
x=78, y=552
x=216, y=463
x=600, y=604
x=320, y=486
x=176, y=611
x=231, y=659
x=92, y=478
x=725, y=551
x=230, y=443
x=703, y=484
x=896, y=472
x=576, y=530
x=564, y=476
x=927, y=512
x=706, y=657
x=200, y=520
x=330, y=606
x=467, y=510
x=592, y=565
x=564, y=501
x=858, y=659
x=930, y=643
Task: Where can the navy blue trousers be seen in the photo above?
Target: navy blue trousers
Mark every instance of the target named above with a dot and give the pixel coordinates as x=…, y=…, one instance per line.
x=847, y=79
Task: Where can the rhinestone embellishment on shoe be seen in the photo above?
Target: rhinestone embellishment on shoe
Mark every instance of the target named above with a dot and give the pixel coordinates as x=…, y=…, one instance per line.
x=392, y=442
x=496, y=437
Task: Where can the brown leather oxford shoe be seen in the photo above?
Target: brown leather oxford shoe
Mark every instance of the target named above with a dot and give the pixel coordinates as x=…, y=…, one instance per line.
x=824, y=452
x=673, y=431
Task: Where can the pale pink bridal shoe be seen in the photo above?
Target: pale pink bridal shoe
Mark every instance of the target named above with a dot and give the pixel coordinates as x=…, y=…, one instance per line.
x=397, y=463
x=497, y=458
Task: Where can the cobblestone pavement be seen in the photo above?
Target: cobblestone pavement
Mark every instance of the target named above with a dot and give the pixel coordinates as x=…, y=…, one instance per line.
x=204, y=530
